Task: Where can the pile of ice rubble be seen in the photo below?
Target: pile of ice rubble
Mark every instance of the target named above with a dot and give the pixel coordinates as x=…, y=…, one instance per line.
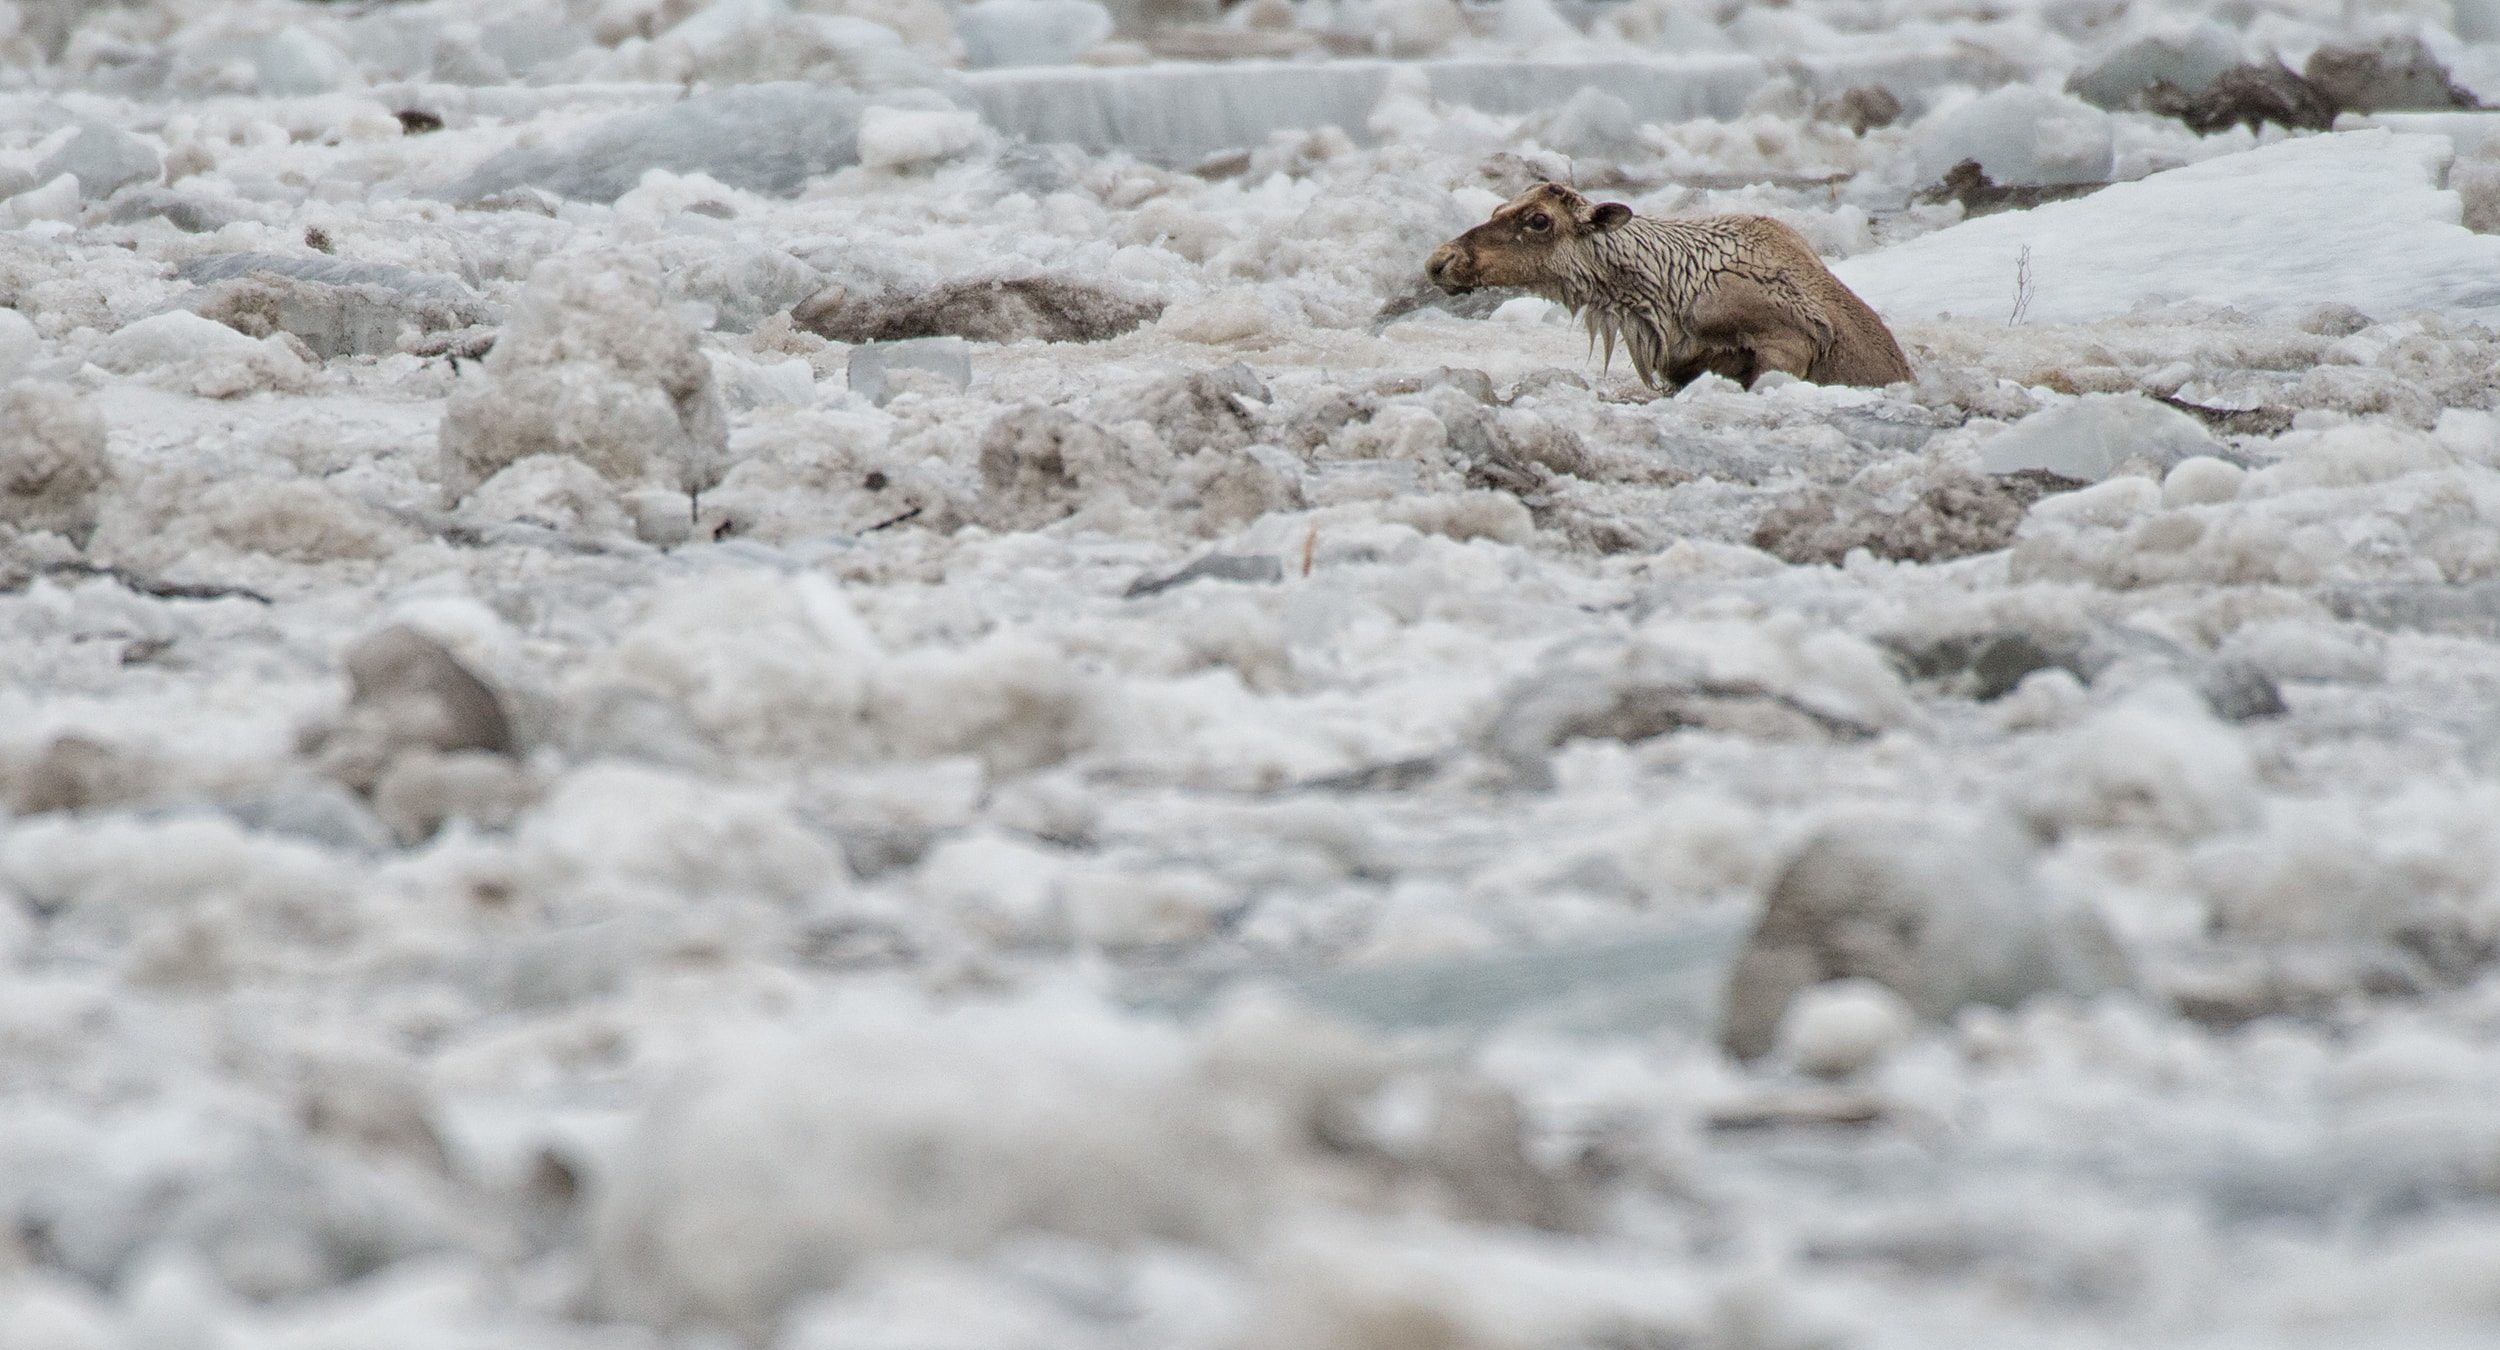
x=662, y=691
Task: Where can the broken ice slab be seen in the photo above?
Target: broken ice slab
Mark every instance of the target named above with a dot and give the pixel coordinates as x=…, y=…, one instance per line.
x=1615, y=985
x=1183, y=112
x=948, y=358
x=337, y=307
x=2096, y=435
x=106, y=159
x=764, y=138
x=1030, y=32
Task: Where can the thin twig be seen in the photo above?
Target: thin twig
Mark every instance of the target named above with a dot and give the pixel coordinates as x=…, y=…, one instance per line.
x=161, y=589
x=891, y=521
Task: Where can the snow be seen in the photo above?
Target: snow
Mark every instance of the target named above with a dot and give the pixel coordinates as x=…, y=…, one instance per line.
x=1030, y=32
x=2019, y=135
x=2373, y=230
x=685, y=674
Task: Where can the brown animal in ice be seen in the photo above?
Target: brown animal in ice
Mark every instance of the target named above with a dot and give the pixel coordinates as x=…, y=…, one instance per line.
x=1738, y=295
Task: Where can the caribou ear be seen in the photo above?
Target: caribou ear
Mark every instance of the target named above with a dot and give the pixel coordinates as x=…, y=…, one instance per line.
x=1609, y=216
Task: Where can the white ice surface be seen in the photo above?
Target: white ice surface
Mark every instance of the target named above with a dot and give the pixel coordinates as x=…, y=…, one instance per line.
x=2355, y=218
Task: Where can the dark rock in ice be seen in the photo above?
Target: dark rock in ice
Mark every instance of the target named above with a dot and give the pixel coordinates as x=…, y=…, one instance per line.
x=983, y=309
x=1986, y=666
x=2239, y=692
x=765, y=138
x=1980, y=195
x=1861, y=109
x=2393, y=74
x=1254, y=568
x=2246, y=95
x=1954, y=515
x=1476, y=304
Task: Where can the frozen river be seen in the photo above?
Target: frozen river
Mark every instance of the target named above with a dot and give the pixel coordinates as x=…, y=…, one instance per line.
x=874, y=675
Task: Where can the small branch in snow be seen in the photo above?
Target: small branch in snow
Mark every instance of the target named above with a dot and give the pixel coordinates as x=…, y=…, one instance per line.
x=161, y=589
x=2022, y=288
x=891, y=521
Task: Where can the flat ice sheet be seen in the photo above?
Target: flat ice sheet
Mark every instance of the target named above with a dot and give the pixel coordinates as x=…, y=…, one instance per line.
x=2356, y=217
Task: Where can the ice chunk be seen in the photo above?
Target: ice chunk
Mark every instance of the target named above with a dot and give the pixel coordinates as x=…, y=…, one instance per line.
x=294, y=62
x=760, y=1176
x=744, y=286
x=1030, y=32
x=767, y=138
x=1179, y=113
x=19, y=342
x=780, y=1162
x=52, y=460
x=106, y=160
x=1843, y=1026
x=1593, y=124
x=407, y=692
x=55, y=200
x=1615, y=984
x=2354, y=217
x=947, y=358
x=2162, y=767
x=1942, y=912
x=737, y=42
x=2201, y=480
x=169, y=339
x=336, y=308
x=2185, y=55
x=594, y=366
x=329, y=272
x=2019, y=135
x=895, y=138
x=2097, y=435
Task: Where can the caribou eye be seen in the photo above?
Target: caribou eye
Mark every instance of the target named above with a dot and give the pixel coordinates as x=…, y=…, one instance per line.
x=1539, y=223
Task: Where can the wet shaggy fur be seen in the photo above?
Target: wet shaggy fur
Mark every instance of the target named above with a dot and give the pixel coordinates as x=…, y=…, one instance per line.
x=1735, y=295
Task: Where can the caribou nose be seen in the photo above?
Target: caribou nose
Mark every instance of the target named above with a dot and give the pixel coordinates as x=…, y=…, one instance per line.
x=1437, y=267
